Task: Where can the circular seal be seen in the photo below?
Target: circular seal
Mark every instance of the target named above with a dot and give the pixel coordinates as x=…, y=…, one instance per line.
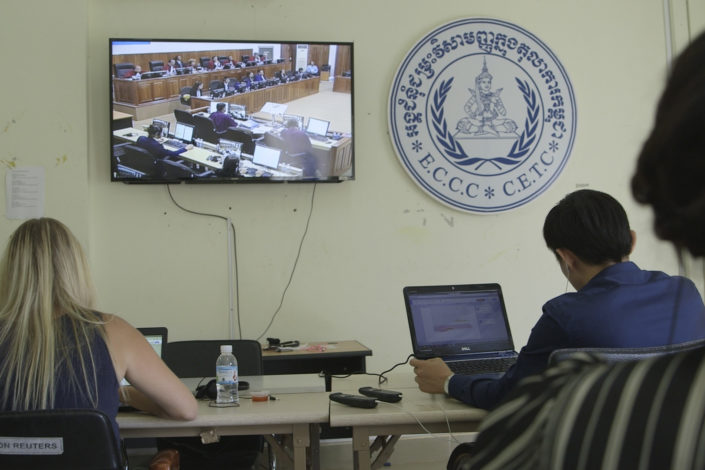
x=482, y=115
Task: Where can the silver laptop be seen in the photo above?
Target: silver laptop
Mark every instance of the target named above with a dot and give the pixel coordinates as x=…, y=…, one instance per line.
x=465, y=325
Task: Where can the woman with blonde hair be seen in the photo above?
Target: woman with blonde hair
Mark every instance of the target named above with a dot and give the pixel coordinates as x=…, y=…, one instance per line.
x=56, y=351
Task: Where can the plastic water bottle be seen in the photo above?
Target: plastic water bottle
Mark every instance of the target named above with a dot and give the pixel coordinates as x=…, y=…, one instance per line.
x=226, y=376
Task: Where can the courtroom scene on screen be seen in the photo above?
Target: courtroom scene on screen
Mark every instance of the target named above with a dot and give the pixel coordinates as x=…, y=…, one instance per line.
x=231, y=111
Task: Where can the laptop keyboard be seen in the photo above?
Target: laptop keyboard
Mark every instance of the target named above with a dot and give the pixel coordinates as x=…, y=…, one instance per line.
x=175, y=143
x=478, y=366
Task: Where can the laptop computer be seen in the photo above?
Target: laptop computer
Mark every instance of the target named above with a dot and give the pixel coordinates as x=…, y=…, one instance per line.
x=465, y=325
x=157, y=338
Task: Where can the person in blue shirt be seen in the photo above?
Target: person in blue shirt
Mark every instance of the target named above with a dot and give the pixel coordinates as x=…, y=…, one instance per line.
x=222, y=120
x=151, y=144
x=616, y=304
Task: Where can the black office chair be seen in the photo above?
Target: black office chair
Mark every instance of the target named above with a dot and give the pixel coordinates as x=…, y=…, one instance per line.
x=205, y=129
x=243, y=136
x=138, y=159
x=205, y=61
x=612, y=355
x=72, y=440
x=184, y=116
x=197, y=359
x=185, y=95
x=171, y=170
x=156, y=65
x=325, y=68
x=215, y=85
x=123, y=68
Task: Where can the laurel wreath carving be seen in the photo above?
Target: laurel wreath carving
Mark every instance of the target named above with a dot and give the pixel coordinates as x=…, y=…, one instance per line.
x=455, y=151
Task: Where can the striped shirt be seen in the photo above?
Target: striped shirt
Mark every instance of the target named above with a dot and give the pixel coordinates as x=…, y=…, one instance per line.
x=584, y=414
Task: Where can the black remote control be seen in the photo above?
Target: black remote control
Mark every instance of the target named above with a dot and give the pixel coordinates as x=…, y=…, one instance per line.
x=358, y=401
x=389, y=396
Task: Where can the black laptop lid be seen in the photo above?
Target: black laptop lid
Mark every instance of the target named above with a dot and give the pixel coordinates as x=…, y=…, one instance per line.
x=457, y=320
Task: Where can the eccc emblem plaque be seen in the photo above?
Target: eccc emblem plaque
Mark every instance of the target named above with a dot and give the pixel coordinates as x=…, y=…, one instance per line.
x=482, y=115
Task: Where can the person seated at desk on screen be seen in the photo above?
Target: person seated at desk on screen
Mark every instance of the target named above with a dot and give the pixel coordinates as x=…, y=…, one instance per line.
x=178, y=63
x=297, y=144
x=194, y=66
x=57, y=351
x=151, y=144
x=197, y=88
x=134, y=74
x=249, y=80
x=260, y=77
x=615, y=305
x=222, y=120
x=312, y=68
x=215, y=64
x=171, y=67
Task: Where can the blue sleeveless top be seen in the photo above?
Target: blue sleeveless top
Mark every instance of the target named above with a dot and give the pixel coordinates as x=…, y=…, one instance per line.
x=70, y=394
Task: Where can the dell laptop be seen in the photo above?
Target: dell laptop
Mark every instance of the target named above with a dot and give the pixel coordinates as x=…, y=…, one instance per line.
x=465, y=325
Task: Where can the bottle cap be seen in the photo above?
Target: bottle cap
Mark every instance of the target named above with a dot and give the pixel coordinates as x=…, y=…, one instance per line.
x=226, y=348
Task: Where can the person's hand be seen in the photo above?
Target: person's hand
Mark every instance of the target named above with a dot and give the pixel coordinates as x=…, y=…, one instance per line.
x=431, y=374
x=189, y=146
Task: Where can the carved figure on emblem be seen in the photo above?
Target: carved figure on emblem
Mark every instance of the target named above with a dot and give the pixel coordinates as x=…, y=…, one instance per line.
x=485, y=110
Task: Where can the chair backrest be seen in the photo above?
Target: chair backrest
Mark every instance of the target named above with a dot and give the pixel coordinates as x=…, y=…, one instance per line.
x=243, y=136
x=168, y=169
x=137, y=158
x=156, y=65
x=205, y=61
x=612, y=355
x=183, y=116
x=123, y=68
x=59, y=439
x=197, y=358
x=215, y=85
x=205, y=129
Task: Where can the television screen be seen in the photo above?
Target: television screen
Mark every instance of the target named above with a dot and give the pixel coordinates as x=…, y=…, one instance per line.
x=180, y=104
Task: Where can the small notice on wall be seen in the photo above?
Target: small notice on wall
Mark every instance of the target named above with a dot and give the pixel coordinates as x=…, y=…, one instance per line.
x=24, y=193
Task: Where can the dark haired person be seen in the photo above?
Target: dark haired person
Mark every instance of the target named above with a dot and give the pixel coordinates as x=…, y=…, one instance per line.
x=178, y=63
x=616, y=304
x=151, y=144
x=221, y=119
x=197, y=88
x=647, y=414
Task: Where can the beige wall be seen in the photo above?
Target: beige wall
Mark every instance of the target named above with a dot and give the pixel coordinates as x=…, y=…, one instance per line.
x=157, y=265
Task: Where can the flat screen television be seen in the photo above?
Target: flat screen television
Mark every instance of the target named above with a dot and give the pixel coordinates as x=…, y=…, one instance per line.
x=163, y=129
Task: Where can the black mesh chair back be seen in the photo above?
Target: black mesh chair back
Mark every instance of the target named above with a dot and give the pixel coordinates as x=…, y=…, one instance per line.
x=612, y=355
x=197, y=358
x=171, y=170
x=243, y=136
x=138, y=159
x=215, y=85
x=123, y=68
x=205, y=61
x=205, y=130
x=156, y=65
x=59, y=439
x=184, y=116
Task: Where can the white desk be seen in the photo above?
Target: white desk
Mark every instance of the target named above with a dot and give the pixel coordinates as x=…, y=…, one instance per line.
x=298, y=415
x=388, y=421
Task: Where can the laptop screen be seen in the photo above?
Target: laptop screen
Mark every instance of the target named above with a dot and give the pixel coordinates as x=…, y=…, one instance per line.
x=157, y=338
x=266, y=156
x=184, y=131
x=460, y=319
